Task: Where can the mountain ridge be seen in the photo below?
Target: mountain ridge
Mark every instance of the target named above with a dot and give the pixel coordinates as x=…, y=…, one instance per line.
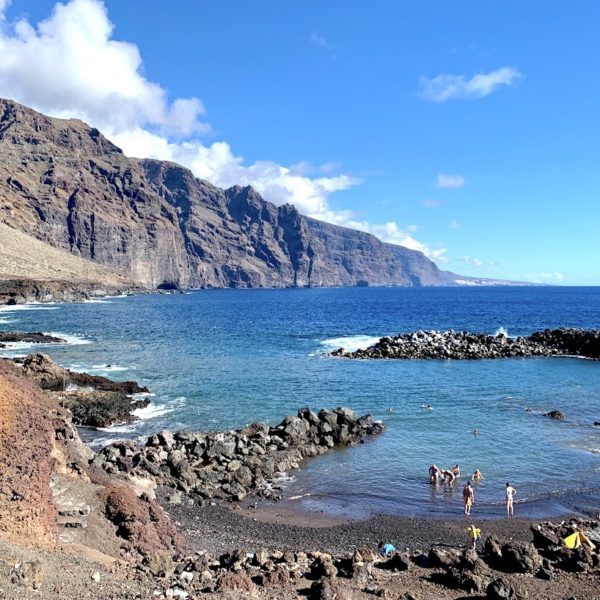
x=65, y=184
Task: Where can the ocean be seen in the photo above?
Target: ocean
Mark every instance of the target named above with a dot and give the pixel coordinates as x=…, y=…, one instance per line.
x=218, y=359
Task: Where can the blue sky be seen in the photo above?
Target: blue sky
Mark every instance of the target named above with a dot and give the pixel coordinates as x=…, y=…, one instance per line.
x=469, y=130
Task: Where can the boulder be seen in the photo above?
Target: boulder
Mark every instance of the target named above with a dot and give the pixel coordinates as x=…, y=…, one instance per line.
x=492, y=551
x=520, y=557
x=576, y=560
x=500, y=589
x=256, y=430
x=397, y=562
x=555, y=414
x=308, y=415
x=234, y=559
x=466, y=580
x=235, y=581
x=442, y=558
x=296, y=430
x=326, y=589
x=544, y=536
x=160, y=564
x=323, y=566
x=261, y=556
x=345, y=415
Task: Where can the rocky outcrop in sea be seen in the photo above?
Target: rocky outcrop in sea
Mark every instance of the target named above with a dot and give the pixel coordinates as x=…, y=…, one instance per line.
x=461, y=345
x=94, y=401
x=37, y=337
x=26, y=290
x=231, y=464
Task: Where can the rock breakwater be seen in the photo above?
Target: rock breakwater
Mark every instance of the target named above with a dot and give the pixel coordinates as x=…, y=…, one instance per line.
x=461, y=345
x=230, y=465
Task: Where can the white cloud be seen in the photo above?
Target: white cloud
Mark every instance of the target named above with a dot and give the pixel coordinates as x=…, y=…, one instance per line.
x=391, y=233
x=316, y=39
x=431, y=203
x=550, y=277
x=472, y=262
x=454, y=224
x=69, y=65
x=450, y=181
x=456, y=87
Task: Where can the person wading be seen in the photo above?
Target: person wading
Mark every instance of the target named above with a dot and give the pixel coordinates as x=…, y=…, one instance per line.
x=468, y=497
x=510, y=494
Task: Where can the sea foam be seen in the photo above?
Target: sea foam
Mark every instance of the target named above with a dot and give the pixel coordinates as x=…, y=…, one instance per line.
x=152, y=411
x=350, y=342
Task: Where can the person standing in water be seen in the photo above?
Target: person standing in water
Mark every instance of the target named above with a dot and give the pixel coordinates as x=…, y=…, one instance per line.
x=434, y=473
x=510, y=494
x=448, y=476
x=468, y=497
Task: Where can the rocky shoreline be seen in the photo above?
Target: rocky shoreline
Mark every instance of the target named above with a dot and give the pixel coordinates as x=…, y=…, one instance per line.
x=528, y=565
x=94, y=401
x=27, y=291
x=462, y=345
x=230, y=465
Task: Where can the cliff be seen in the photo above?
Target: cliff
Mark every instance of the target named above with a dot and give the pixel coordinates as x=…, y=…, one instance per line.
x=63, y=183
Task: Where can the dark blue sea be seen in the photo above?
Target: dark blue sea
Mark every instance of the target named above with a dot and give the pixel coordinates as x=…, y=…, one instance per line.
x=223, y=358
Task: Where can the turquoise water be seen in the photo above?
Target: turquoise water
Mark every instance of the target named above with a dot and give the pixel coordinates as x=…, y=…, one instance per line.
x=223, y=358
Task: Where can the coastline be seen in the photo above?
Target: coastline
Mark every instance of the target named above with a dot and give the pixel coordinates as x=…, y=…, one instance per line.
x=535, y=508
x=221, y=527
x=246, y=528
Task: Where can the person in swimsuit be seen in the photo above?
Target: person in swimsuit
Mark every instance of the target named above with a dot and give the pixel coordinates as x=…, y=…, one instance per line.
x=468, y=497
x=510, y=494
x=434, y=473
x=456, y=471
x=477, y=475
x=448, y=476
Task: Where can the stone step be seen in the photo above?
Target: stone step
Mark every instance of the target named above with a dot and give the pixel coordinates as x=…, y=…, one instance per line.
x=70, y=510
x=71, y=523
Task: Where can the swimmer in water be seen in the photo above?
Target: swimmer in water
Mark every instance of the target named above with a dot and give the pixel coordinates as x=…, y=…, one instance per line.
x=448, y=476
x=477, y=475
x=434, y=474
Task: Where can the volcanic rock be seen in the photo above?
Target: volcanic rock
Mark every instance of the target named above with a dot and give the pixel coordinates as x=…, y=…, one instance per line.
x=462, y=345
x=63, y=183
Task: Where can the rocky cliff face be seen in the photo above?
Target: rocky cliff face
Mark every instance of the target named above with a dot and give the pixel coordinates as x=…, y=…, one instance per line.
x=65, y=184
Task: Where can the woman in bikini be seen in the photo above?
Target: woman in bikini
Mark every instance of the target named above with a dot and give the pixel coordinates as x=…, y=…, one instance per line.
x=510, y=494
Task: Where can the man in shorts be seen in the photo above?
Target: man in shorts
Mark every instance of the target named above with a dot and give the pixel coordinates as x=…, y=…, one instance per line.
x=468, y=497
